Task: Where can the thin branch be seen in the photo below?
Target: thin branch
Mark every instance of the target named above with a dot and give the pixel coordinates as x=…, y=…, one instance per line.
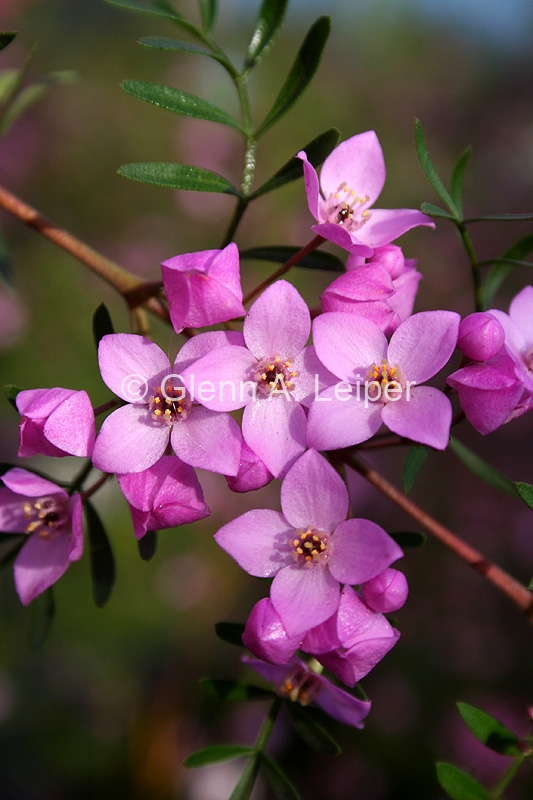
x=308, y=248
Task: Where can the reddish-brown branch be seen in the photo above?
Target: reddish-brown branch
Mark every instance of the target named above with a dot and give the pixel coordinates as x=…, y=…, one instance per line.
x=135, y=291
x=516, y=591
x=308, y=248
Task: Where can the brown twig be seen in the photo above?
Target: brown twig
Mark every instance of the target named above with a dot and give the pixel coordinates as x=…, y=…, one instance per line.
x=516, y=591
x=304, y=251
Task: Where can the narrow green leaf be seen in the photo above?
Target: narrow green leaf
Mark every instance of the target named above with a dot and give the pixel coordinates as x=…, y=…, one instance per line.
x=456, y=187
x=11, y=391
x=409, y=538
x=149, y=8
x=435, y=211
x=177, y=176
x=245, y=784
x=317, y=150
x=430, y=171
x=102, y=324
x=501, y=270
x=311, y=731
x=492, y=733
x=177, y=46
x=215, y=754
x=416, y=457
x=500, y=217
x=101, y=556
x=458, y=785
x=301, y=73
x=6, y=37
x=178, y=102
x=208, y=12
x=28, y=96
x=268, y=23
x=525, y=491
x=148, y=545
x=480, y=468
x=280, y=784
x=230, y=632
x=318, y=259
x=42, y=615
x=233, y=690
x=9, y=81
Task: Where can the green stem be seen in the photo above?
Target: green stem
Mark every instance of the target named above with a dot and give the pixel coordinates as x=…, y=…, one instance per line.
x=507, y=777
x=476, y=272
x=80, y=477
x=268, y=725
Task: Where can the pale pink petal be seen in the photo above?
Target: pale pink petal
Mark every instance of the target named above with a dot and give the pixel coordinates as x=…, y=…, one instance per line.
x=337, y=419
x=71, y=426
x=278, y=323
x=386, y=225
x=515, y=341
x=341, y=237
x=314, y=494
x=26, y=483
x=33, y=442
x=426, y=417
x=360, y=551
x=275, y=429
x=265, y=636
x=359, y=162
x=130, y=364
x=312, y=378
x=39, y=403
x=521, y=312
x=208, y=440
x=129, y=441
x=40, y=563
x=304, y=597
x=222, y=380
x=311, y=184
x=369, y=282
x=75, y=550
x=424, y=343
x=258, y=541
x=202, y=344
x=348, y=345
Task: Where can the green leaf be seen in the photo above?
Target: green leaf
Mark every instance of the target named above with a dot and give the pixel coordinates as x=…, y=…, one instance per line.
x=500, y=271
x=9, y=81
x=27, y=97
x=208, y=12
x=11, y=391
x=268, y=23
x=178, y=102
x=317, y=150
x=525, y=491
x=479, y=467
x=501, y=218
x=148, y=545
x=6, y=37
x=458, y=785
x=277, y=780
x=489, y=731
x=311, y=731
x=301, y=73
x=409, y=538
x=318, y=259
x=416, y=457
x=215, y=754
x=177, y=176
x=230, y=632
x=435, y=211
x=150, y=8
x=42, y=615
x=102, y=324
x=245, y=784
x=456, y=187
x=101, y=556
x=233, y=690
x=168, y=43
x=430, y=171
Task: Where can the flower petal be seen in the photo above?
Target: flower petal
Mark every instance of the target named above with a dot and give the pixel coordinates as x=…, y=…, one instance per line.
x=361, y=550
x=26, y=483
x=208, y=440
x=258, y=541
x=314, y=494
x=304, y=597
x=129, y=364
x=278, y=323
x=71, y=426
x=313, y=376
x=359, y=162
x=341, y=705
x=311, y=183
x=338, y=419
x=424, y=417
x=386, y=225
x=40, y=563
x=129, y=441
x=265, y=636
x=222, y=379
x=275, y=429
x=198, y=346
x=348, y=345
x=521, y=312
x=424, y=343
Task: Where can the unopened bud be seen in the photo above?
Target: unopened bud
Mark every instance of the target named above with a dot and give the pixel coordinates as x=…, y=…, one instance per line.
x=480, y=336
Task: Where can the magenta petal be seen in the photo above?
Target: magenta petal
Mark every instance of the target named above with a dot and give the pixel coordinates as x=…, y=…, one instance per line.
x=12, y=516
x=71, y=426
x=313, y=493
x=313, y=377
x=424, y=343
x=521, y=312
x=425, y=417
x=26, y=483
x=348, y=345
x=340, y=236
x=275, y=429
x=33, y=442
x=258, y=541
x=311, y=184
x=361, y=550
x=387, y=591
x=359, y=162
x=40, y=563
x=304, y=597
x=75, y=550
x=341, y=705
x=265, y=636
x=488, y=394
x=203, y=343
x=129, y=363
x=386, y=225
x=252, y=472
x=129, y=441
x=208, y=440
x=338, y=419
x=40, y=403
x=278, y=323
x=219, y=379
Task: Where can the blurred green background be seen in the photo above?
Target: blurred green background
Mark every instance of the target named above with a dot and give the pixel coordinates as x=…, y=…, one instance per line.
x=111, y=705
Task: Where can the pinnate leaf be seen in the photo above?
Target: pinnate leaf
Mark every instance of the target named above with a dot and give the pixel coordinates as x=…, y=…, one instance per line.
x=456, y=187
x=177, y=176
x=216, y=754
x=208, y=12
x=499, y=271
x=414, y=461
x=409, y=538
x=480, y=468
x=458, y=785
x=268, y=23
x=245, y=784
x=430, y=171
x=492, y=733
x=318, y=259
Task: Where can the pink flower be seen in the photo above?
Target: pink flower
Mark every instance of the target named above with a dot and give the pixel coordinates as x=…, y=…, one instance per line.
x=351, y=180
x=310, y=548
x=53, y=521
x=296, y=681
x=159, y=409
x=252, y=472
x=203, y=288
x=386, y=592
x=165, y=495
x=480, y=336
x=380, y=382
x=55, y=422
x=273, y=376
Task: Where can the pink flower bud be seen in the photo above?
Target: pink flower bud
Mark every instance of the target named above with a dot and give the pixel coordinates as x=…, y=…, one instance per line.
x=480, y=336
x=387, y=591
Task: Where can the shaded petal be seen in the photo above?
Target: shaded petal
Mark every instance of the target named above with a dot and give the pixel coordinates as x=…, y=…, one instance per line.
x=275, y=429
x=387, y=591
x=360, y=551
x=313, y=493
x=348, y=345
x=12, y=516
x=33, y=442
x=71, y=426
x=40, y=403
x=359, y=162
x=26, y=483
x=129, y=441
x=341, y=705
x=258, y=541
x=515, y=341
x=252, y=472
x=40, y=563
x=75, y=550
x=278, y=323
x=202, y=344
x=488, y=392
x=208, y=440
x=313, y=376
x=304, y=597
x=386, y=225
x=265, y=636
x=521, y=312
x=425, y=417
x=341, y=237
x=130, y=364
x=424, y=343
x=338, y=420
x=218, y=380
x=311, y=184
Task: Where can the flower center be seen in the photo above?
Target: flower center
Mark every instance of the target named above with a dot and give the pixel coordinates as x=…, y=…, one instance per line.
x=274, y=376
x=384, y=382
x=301, y=686
x=46, y=516
x=310, y=547
x=169, y=404
x=343, y=207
